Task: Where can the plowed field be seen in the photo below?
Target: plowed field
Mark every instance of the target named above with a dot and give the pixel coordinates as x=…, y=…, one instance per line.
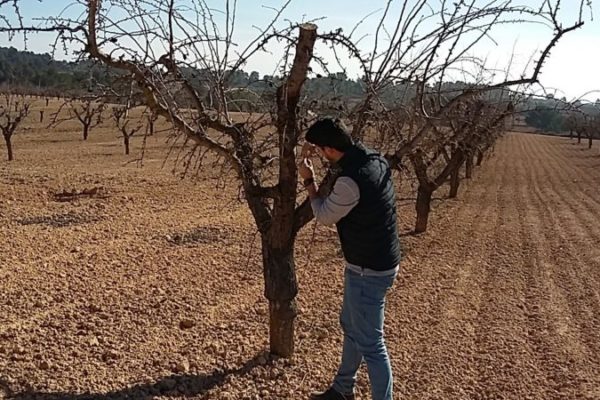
x=151, y=287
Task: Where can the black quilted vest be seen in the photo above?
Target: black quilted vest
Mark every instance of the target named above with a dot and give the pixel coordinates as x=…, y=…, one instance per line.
x=369, y=233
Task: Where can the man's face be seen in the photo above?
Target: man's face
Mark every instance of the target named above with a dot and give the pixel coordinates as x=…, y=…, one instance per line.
x=327, y=152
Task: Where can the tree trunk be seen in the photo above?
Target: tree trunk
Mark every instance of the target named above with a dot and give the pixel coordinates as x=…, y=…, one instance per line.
x=47, y=100
x=578, y=137
x=86, y=131
x=8, y=147
x=126, y=142
x=41, y=116
x=454, y=183
x=571, y=134
x=590, y=140
x=469, y=166
x=480, y=155
x=280, y=289
x=423, y=207
x=278, y=242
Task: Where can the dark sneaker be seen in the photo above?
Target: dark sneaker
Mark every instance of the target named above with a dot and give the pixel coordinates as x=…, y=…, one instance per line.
x=331, y=394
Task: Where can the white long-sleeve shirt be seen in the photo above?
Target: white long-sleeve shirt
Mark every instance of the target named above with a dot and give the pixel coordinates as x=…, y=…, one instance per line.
x=343, y=198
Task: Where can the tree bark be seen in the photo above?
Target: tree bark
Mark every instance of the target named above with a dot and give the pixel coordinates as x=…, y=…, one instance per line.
x=570, y=133
x=281, y=289
x=454, y=183
x=590, y=140
x=126, y=142
x=423, y=206
x=278, y=244
x=7, y=139
x=480, y=155
x=41, y=116
x=469, y=166
x=578, y=137
x=86, y=131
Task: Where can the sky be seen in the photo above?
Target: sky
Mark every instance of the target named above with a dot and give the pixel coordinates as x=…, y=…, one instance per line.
x=572, y=70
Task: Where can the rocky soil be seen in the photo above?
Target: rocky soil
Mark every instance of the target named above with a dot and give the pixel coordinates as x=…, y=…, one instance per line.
x=125, y=282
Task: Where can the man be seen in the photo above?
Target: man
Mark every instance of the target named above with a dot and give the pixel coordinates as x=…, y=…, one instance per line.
x=362, y=204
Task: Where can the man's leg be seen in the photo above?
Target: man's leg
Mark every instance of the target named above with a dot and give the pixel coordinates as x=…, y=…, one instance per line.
x=368, y=328
x=351, y=357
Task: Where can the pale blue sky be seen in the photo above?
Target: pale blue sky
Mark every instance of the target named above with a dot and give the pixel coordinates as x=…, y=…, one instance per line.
x=573, y=69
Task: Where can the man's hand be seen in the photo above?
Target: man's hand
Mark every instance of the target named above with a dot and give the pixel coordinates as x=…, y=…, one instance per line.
x=308, y=149
x=305, y=169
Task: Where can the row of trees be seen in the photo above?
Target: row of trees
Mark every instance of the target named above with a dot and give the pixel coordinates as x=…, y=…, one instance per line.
x=583, y=124
x=421, y=124
x=88, y=111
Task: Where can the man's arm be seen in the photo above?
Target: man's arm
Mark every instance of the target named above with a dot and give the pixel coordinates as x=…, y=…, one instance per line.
x=342, y=199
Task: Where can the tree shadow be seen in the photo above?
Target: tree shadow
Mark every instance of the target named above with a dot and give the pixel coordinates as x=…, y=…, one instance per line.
x=177, y=385
x=410, y=201
x=407, y=233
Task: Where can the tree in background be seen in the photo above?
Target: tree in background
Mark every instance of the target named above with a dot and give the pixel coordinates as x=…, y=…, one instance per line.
x=127, y=127
x=88, y=111
x=13, y=110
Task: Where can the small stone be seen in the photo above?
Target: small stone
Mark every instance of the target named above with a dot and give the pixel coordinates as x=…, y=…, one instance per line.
x=44, y=365
x=182, y=367
x=110, y=355
x=186, y=324
x=95, y=308
x=262, y=360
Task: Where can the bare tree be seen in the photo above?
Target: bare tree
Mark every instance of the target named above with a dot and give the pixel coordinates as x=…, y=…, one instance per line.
x=127, y=126
x=407, y=99
x=88, y=111
x=473, y=123
x=152, y=117
x=89, y=114
x=13, y=110
x=585, y=123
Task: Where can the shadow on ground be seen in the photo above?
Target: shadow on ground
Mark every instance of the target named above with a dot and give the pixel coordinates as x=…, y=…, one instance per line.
x=184, y=385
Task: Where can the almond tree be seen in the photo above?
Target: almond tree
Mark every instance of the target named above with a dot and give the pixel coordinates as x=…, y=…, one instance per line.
x=406, y=98
x=13, y=110
x=89, y=114
x=266, y=167
x=434, y=161
x=127, y=127
x=88, y=111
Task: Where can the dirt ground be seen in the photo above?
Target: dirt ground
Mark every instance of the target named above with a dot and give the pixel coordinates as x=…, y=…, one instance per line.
x=152, y=287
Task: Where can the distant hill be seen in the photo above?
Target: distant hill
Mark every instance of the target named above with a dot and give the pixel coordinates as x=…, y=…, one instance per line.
x=38, y=71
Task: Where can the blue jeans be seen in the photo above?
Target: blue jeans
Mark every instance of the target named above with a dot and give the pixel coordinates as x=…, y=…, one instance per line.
x=362, y=322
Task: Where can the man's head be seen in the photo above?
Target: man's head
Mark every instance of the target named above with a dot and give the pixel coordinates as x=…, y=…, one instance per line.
x=331, y=138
